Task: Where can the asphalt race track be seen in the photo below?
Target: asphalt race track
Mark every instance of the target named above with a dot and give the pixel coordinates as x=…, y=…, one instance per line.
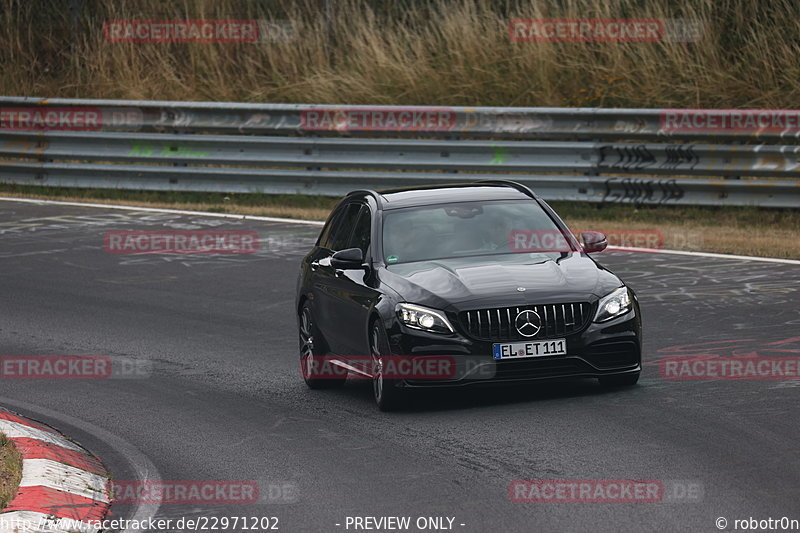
x=222, y=398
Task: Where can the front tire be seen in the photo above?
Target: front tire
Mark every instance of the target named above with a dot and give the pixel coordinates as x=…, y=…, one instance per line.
x=318, y=372
x=387, y=396
x=620, y=380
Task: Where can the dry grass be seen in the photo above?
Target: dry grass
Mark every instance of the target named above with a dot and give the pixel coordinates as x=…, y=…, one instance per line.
x=268, y=210
x=693, y=236
x=410, y=52
x=10, y=470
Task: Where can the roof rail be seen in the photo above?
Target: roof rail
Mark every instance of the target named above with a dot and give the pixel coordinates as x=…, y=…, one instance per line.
x=513, y=184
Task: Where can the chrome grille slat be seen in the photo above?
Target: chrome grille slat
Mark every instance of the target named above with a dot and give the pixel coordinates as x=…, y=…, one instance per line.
x=497, y=323
x=546, y=324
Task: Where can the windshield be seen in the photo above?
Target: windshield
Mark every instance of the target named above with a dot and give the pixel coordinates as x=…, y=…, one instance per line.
x=469, y=229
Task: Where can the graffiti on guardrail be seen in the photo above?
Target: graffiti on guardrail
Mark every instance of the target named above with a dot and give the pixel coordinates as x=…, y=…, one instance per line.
x=629, y=157
x=504, y=122
x=681, y=155
x=164, y=119
x=166, y=150
x=642, y=190
x=173, y=118
x=265, y=121
x=631, y=126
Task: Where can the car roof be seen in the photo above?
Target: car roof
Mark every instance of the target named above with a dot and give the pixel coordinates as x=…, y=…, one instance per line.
x=438, y=194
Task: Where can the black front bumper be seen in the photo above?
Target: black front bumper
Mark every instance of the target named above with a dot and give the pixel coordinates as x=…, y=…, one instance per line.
x=610, y=348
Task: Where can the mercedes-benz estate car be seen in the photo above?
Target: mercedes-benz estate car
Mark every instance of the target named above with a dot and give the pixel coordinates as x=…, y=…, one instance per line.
x=460, y=285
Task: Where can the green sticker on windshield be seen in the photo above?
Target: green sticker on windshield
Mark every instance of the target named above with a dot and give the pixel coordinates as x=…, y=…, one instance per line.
x=392, y=259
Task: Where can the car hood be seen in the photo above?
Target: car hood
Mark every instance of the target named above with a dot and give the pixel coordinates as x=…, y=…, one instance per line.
x=494, y=281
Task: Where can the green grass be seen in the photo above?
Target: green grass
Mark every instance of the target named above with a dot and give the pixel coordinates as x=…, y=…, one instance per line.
x=10, y=470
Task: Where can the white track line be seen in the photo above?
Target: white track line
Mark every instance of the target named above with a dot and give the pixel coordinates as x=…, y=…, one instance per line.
x=164, y=210
x=317, y=223
x=707, y=254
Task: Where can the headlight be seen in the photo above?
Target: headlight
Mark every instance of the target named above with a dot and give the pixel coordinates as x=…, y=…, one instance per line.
x=615, y=304
x=418, y=317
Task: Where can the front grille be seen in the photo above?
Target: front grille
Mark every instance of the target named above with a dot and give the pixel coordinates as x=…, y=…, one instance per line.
x=557, y=320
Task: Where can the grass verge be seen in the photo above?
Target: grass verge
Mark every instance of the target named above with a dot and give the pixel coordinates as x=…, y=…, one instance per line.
x=10, y=470
x=730, y=230
x=413, y=52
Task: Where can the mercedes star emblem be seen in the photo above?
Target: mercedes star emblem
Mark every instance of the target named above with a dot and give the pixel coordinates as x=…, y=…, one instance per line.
x=528, y=323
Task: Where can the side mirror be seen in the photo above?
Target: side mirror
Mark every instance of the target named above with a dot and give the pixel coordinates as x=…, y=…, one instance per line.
x=348, y=259
x=594, y=241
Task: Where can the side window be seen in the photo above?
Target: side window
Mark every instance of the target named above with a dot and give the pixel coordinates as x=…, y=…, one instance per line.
x=340, y=235
x=333, y=222
x=360, y=238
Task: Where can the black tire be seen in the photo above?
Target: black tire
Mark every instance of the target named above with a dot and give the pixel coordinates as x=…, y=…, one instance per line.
x=620, y=380
x=310, y=354
x=387, y=396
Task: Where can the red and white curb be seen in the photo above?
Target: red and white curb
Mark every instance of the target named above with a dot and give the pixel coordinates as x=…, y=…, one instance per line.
x=63, y=488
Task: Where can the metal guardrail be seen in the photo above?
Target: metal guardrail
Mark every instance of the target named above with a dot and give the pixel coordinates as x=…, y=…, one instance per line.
x=600, y=155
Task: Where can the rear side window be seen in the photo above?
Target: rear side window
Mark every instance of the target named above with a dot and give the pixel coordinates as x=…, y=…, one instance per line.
x=343, y=228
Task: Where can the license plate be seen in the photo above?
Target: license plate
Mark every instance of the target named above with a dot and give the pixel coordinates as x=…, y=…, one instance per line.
x=523, y=350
